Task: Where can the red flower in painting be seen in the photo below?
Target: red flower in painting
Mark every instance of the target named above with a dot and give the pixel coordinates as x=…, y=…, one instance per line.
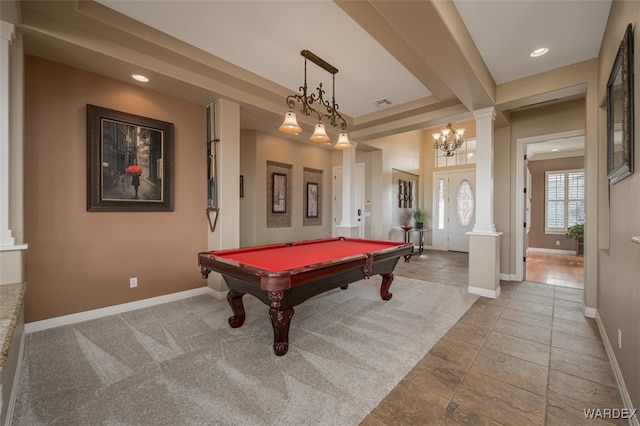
x=133, y=170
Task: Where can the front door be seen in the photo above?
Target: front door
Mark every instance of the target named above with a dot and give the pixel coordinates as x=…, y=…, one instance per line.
x=454, y=209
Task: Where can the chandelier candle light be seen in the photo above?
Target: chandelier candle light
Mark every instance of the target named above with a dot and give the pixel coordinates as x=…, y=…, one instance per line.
x=448, y=140
x=290, y=124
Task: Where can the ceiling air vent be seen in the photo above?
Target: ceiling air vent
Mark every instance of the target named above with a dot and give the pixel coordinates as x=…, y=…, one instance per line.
x=381, y=103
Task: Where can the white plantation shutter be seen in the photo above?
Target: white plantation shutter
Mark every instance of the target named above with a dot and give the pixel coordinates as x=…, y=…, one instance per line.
x=564, y=200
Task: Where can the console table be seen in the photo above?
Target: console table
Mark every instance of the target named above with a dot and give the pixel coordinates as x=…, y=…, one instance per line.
x=407, y=236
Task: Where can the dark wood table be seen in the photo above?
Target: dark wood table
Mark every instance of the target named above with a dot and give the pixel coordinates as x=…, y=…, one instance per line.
x=285, y=275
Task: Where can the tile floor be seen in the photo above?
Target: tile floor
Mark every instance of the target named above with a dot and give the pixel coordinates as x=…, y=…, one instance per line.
x=529, y=357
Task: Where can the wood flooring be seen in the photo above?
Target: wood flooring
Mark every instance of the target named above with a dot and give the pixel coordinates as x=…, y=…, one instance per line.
x=555, y=269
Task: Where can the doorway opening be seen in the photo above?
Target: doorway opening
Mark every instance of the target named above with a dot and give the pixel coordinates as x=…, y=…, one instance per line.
x=550, y=185
x=358, y=197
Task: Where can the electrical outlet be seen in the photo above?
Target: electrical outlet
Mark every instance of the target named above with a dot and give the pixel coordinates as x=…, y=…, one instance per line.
x=557, y=242
x=619, y=339
x=133, y=282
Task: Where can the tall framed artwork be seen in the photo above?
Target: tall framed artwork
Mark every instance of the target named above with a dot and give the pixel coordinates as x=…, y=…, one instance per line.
x=279, y=181
x=312, y=203
x=279, y=193
x=620, y=141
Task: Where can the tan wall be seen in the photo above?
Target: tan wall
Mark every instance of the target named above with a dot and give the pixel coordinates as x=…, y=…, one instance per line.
x=257, y=149
x=619, y=258
x=77, y=260
x=401, y=152
x=537, y=236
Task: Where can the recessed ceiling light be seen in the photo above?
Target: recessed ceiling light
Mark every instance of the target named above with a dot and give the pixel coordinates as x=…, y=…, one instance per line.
x=538, y=52
x=140, y=77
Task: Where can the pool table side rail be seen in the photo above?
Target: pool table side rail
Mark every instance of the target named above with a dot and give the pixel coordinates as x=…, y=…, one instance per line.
x=283, y=280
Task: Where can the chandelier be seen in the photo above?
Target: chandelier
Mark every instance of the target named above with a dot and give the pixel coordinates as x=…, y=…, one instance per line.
x=448, y=140
x=307, y=102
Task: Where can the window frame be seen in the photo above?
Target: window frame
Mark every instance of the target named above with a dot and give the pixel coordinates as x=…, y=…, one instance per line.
x=469, y=156
x=566, y=200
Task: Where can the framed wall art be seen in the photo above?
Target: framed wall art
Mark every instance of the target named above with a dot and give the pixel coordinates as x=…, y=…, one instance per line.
x=312, y=199
x=279, y=193
x=129, y=162
x=620, y=124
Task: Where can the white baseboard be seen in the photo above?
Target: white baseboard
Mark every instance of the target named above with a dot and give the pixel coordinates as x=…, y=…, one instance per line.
x=116, y=309
x=493, y=294
x=508, y=277
x=624, y=394
x=590, y=312
x=554, y=251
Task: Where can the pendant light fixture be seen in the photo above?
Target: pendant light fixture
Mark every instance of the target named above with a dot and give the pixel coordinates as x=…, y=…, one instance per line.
x=307, y=101
x=448, y=140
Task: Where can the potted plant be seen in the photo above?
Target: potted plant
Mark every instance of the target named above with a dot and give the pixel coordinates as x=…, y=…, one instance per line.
x=575, y=231
x=419, y=216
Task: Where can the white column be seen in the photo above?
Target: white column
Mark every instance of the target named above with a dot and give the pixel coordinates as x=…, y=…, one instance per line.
x=348, y=226
x=6, y=37
x=484, y=170
x=484, y=241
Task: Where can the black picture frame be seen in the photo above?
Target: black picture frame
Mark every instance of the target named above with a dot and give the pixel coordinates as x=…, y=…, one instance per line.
x=129, y=162
x=312, y=199
x=620, y=123
x=279, y=193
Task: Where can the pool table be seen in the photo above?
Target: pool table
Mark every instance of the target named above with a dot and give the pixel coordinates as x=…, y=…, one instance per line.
x=285, y=275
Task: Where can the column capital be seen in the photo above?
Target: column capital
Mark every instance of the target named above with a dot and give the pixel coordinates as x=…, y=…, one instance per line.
x=485, y=113
x=6, y=31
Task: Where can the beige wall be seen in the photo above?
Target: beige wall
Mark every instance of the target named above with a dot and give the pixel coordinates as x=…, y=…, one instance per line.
x=537, y=236
x=619, y=258
x=257, y=149
x=77, y=260
x=401, y=152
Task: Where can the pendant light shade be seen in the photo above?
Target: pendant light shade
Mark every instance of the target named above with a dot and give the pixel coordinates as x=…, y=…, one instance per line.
x=319, y=134
x=343, y=142
x=290, y=124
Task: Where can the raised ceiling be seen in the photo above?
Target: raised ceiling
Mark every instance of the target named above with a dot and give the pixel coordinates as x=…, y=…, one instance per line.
x=433, y=61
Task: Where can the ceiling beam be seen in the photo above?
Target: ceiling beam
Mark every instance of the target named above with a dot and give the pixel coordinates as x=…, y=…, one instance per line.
x=430, y=39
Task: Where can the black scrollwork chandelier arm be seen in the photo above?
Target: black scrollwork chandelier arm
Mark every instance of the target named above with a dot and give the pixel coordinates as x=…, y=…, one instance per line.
x=307, y=101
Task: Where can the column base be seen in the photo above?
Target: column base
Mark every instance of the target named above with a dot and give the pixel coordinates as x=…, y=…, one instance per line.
x=484, y=264
x=348, y=231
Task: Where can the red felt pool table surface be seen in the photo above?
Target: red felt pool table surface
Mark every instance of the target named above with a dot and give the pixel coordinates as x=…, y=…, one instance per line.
x=287, y=257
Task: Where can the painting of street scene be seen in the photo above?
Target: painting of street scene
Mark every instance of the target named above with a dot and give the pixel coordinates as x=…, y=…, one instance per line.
x=131, y=162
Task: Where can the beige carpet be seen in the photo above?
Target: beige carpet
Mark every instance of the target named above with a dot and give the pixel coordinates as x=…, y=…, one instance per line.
x=181, y=364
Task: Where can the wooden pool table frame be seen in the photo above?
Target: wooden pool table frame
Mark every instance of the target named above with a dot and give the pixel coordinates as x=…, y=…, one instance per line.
x=283, y=290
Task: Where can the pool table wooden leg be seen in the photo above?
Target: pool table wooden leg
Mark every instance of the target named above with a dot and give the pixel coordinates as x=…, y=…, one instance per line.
x=280, y=320
x=387, y=279
x=235, y=301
